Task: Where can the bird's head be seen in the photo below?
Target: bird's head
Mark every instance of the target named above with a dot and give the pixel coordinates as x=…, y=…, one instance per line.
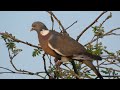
x=38, y=26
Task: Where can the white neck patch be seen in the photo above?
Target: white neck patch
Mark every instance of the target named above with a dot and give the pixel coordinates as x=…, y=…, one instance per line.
x=44, y=32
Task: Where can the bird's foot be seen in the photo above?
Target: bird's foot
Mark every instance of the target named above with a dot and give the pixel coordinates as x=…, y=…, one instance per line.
x=58, y=64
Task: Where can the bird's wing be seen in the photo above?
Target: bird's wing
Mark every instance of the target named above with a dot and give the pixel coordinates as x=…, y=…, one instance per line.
x=65, y=45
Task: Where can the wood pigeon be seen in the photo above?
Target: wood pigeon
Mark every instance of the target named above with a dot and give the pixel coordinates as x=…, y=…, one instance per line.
x=63, y=47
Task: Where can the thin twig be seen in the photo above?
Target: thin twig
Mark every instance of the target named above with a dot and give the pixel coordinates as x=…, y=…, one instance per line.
x=97, y=60
x=110, y=68
x=50, y=77
x=18, y=71
x=21, y=72
x=73, y=72
x=6, y=72
x=50, y=60
x=108, y=17
x=75, y=69
x=52, y=14
x=7, y=69
x=110, y=76
x=106, y=34
x=112, y=30
x=78, y=37
x=18, y=40
x=71, y=25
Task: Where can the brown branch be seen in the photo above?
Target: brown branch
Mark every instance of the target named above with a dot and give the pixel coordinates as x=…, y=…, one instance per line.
x=110, y=69
x=17, y=71
x=6, y=69
x=78, y=37
x=18, y=40
x=75, y=69
x=97, y=60
x=110, y=76
x=50, y=77
x=71, y=25
x=108, y=17
x=112, y=30
x=49, y=57
x=106, y=34
x=22, y=72
x=73, y=72
x=52, y=14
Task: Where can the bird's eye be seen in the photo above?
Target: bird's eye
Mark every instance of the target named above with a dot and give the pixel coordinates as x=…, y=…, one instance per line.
x=33, y=25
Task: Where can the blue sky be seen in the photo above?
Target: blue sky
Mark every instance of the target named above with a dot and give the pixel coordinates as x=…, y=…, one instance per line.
x=19, y=24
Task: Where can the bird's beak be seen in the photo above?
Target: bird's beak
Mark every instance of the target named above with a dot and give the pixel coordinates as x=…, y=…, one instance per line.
x=32, y=29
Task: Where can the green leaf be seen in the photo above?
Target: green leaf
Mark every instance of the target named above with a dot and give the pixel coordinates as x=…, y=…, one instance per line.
x=16, y=51
x=10, y=45
x=118, y=52
x=36, y=52
x=106, y=72
x=4, y=37
x=98, y=31
x=97, y=52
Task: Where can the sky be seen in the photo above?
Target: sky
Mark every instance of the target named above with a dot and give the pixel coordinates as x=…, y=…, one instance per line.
x=19, y=23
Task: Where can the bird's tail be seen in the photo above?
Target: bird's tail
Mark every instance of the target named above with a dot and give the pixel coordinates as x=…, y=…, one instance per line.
x=86, y=56
x=90, y=64
x=95, y=57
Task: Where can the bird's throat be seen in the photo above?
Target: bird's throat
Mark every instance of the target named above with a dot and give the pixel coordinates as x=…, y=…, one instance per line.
x=44, y=32
x=44, y=35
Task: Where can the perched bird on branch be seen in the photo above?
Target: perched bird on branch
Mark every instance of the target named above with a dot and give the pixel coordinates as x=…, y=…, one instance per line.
x=63, y=47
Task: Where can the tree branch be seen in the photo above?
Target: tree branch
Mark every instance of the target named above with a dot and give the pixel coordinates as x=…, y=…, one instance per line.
x=106, y=34
x=108, y=17
x=52, y=14
x=64, y=31
x=75, y=69
x=6, y=69
x=50, y=77
x=78, y=37
x=71, y=25
x=22, y=72
x=18, y=40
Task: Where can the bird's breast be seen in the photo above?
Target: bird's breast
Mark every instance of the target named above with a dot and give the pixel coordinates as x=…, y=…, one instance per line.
x=43, y=40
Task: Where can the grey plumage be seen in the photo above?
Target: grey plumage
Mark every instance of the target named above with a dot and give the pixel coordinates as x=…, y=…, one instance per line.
x=60, y=45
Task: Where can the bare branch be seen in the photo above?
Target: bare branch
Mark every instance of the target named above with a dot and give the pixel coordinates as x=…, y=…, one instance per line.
x=71, y=25
x=106, y=34
x=75, y=69
x=108, y=17
x=73, y=72
x=110, y=76
x=112, y=30
x=50, y=77
x=7, y=69
x=17, y=71
x=110, y=68
x=22, y=72
x=52, y=14
x=18, y=40
x=78, y=37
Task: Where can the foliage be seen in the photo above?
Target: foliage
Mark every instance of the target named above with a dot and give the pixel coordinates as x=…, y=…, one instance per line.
x=10, y=43
x=36, y=52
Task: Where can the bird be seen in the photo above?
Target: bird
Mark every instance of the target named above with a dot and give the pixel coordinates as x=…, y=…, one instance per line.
x=63, y=47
